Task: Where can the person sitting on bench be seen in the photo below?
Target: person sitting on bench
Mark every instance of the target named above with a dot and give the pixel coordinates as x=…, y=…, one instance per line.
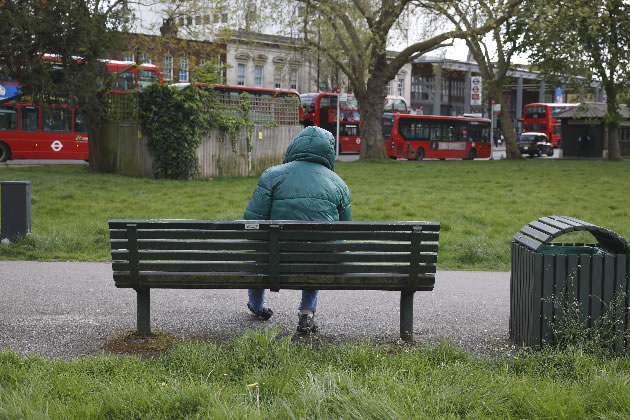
x=303, y=187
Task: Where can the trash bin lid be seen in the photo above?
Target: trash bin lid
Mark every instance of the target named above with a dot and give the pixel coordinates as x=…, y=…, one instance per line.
x=535, y=235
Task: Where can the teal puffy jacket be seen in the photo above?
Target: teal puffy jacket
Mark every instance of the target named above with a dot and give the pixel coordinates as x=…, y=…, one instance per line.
x=305, y=186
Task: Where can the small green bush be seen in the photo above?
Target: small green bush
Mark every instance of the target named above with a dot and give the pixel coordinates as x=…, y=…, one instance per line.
x=175, y=121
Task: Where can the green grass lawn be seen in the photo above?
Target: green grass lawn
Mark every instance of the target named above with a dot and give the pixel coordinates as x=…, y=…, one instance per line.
x=261, y=375
x=480, y=204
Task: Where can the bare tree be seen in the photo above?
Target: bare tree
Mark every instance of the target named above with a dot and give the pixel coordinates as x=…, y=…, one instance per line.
x=493, y=51
x=356, y=34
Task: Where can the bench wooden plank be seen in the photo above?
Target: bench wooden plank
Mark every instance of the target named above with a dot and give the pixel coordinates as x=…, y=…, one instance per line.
x=116, y=224
x=328, y=257
x=264, y=268
x=263, y=235
x=294, y=282
x=336, y=246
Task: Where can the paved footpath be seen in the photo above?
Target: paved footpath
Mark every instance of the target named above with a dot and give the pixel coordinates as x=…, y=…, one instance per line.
x=68, y=310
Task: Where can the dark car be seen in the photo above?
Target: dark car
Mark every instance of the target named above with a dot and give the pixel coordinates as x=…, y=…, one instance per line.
x=535, y=144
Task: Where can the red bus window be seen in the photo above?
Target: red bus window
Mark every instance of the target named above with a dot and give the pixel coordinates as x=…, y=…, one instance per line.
x=126, y=81
x=29, y=118
x=80, y=124
x=535, y=112
x=58, y=120
x=536, y=127
x=146, y=78
x=8, y=117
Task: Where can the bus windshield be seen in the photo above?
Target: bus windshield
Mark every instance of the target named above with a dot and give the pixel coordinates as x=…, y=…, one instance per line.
x=535, y=112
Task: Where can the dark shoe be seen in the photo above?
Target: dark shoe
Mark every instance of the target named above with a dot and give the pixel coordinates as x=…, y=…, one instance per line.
x=306, y=324
x=264, y=313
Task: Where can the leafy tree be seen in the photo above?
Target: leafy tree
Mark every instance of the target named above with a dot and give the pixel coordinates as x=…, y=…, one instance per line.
x=494, y=51
x=354, y=36
x=577, y=42
x=211, y=74
x=74, y=34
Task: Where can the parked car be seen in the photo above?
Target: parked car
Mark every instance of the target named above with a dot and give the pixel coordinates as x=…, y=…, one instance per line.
x=535, y=144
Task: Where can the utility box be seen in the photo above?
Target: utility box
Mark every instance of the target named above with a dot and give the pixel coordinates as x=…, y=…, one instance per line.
x=15, y=210
x=545, y=276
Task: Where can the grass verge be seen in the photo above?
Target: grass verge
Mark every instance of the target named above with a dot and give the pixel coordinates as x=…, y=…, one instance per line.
x=263, y=375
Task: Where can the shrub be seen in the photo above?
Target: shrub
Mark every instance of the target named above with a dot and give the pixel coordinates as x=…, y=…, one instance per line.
x=174, y=121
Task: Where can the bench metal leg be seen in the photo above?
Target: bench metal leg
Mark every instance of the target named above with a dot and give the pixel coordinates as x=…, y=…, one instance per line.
x=144, y=312
x=406, y=315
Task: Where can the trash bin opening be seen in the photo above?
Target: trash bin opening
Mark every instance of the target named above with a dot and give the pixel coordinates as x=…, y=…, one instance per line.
x=569, y=249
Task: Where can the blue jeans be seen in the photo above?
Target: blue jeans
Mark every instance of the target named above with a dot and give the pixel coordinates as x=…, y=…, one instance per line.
x=257, y=299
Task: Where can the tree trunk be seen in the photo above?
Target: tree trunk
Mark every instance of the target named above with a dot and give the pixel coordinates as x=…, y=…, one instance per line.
x=509, y=133
x=614, y=151
x=370, y=127
x=101, y=140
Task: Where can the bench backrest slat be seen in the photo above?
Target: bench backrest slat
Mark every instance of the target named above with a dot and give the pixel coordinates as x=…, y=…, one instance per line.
x=322, y=257
x=281, y=254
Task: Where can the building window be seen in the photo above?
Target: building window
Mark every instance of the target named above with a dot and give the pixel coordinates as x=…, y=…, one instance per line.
x=167, y=68
x=258, y=76
x=189, y=20
x=128, y=56
x=183, y=70
x=277, y=77
x=294, y=79
x=144, y=59
x=445, y=87
x=401, y=87
x=241, y=75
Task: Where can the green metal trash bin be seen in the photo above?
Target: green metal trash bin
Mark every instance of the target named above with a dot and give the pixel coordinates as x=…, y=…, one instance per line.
x=591, y=275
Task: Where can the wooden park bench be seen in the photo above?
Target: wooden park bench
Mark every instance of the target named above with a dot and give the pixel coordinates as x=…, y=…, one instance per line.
x=274, y=254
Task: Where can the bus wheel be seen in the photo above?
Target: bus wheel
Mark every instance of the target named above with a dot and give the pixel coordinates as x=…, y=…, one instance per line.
x=472, y=154
x=420, y=153
x=5, y=152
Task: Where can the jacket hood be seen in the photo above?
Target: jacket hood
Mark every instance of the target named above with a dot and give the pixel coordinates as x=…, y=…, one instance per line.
x=313, y=144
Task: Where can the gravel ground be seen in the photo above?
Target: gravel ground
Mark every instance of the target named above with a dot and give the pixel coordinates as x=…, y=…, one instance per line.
x=68, y=310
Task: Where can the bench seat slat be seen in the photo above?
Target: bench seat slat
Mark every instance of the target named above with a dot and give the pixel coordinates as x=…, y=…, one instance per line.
x=394, y=282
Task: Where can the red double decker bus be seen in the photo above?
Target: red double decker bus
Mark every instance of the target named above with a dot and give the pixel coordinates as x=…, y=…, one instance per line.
x=320, y=110
x=133, y=76
x=436, y=137
x=58, y=131
x=29, y=131
x=541, y=118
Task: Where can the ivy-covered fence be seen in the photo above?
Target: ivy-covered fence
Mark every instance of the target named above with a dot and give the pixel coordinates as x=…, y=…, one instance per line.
x=184, y=134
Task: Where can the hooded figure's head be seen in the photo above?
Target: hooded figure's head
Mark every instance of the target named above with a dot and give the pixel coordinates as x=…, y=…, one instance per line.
x=313, y=144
